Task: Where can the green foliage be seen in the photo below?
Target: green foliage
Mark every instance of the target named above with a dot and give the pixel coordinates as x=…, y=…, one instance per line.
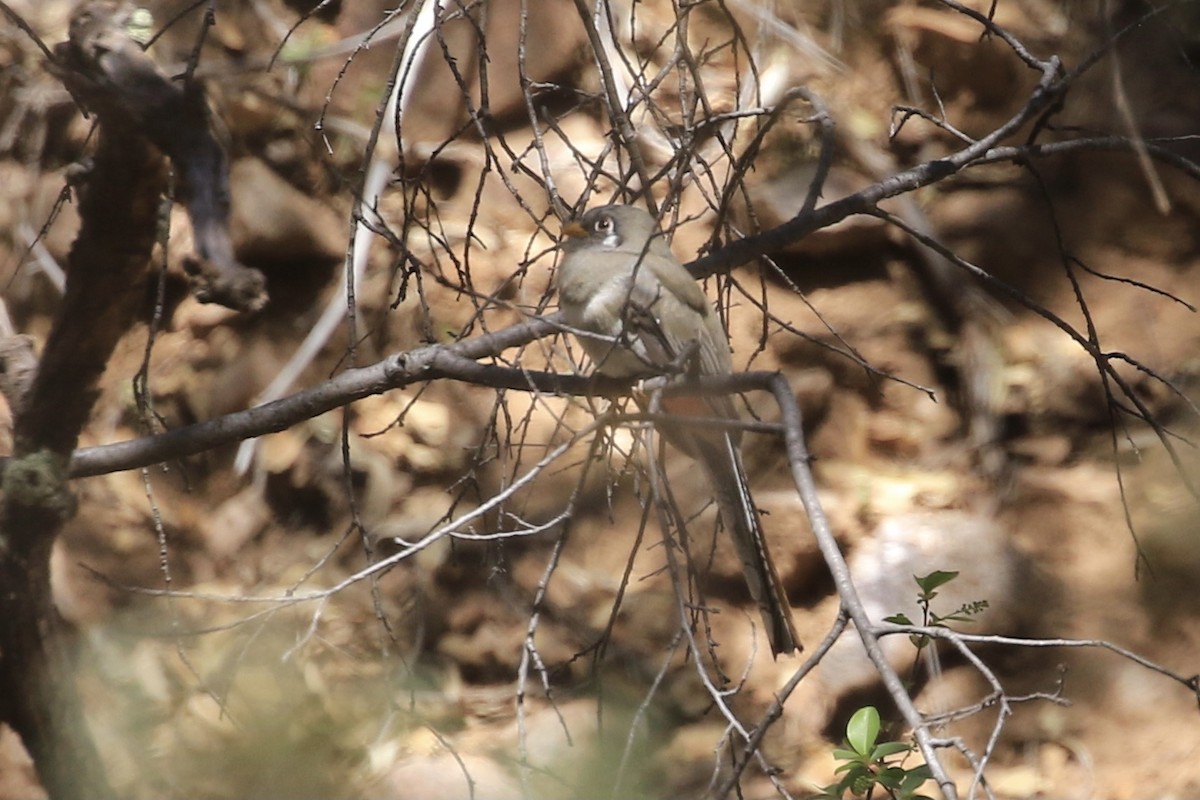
x=869, y=765
x=929, y=585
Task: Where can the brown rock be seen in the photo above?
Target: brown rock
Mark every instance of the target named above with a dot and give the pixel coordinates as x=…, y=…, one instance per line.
x=447, y=776
x=916, y=544
x=274, y=222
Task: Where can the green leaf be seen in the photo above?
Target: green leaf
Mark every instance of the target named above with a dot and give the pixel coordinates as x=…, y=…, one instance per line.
x=863, y=729
x=830, y=792
x=933, y=580
x=841, y=787
x=890, y=777
x=913, y=780
x=889, y=749
x=918, y=775
x=863, y=784
x=847, y=781
x=898, y=619
x=843, y=754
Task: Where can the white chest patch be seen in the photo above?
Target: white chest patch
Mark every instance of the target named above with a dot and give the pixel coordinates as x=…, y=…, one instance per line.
x=602, y=312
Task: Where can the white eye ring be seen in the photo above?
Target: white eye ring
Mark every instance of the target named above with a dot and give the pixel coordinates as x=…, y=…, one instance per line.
x=604, y=225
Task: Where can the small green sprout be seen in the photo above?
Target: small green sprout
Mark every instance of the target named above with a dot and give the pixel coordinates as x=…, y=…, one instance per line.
x=868, y=766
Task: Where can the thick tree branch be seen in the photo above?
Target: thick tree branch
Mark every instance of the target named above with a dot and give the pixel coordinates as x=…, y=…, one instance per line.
x=119, y=201
x=427, y=363
x=457, y=361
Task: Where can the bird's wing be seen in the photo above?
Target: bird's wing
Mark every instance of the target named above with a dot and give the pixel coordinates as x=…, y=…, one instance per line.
x=669, y=323
x=666, y=327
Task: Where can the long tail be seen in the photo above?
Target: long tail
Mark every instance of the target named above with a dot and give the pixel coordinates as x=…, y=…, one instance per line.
x=722, y=460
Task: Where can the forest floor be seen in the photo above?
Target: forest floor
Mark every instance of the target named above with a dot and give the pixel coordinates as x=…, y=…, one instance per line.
x=437, y=678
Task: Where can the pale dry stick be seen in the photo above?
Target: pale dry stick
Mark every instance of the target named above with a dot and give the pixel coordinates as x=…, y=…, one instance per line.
x=1121, y=98
x=1004, y=711
x=718, y=696
x=556, y=201
x=7, y=328
x=674, y=569
x=42, y=258
x=791, y=35
x=309, y=634
x=280, y=602
x=499, y=536
x=724, y=127
x=775, y=711
x=640, y=713
x=409, y=549
x=529, y=653
x=378, y=173
x=1189, y=682
x=648, y=130
x=960, y=641
x=612, y=95
x=291, y=597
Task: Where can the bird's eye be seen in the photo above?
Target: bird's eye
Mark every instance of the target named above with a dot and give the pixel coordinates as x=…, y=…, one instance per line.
x=604, y=225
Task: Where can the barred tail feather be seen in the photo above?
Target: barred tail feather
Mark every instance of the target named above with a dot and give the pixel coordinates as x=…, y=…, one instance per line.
x=722, y=461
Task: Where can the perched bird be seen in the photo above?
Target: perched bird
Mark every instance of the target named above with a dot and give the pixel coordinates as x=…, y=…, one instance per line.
x=637, y=312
